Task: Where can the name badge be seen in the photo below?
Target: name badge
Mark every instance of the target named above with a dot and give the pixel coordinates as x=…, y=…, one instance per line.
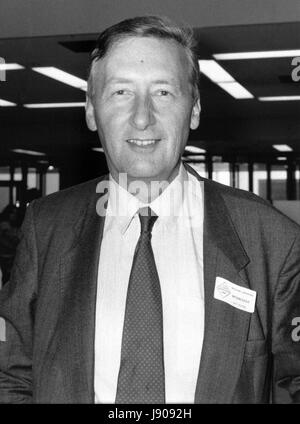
x=237, y=296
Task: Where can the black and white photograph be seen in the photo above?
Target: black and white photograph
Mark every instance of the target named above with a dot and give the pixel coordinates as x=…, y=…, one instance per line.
x=149, y=205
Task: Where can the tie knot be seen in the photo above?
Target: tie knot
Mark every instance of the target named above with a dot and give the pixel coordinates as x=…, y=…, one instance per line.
x=147, y=219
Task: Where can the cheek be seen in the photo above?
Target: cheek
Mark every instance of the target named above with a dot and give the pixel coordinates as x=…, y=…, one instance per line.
x=112, y=120
x=177, y=118
x=106, y=124
x=178, y=127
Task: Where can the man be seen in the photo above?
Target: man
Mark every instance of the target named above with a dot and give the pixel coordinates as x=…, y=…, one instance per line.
x=186, y=291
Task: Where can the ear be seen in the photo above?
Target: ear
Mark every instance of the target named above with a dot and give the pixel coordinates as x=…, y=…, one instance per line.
x=90, y=114
x=195, y=117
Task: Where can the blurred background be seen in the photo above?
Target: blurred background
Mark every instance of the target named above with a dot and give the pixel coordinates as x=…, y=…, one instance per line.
x=249, y=136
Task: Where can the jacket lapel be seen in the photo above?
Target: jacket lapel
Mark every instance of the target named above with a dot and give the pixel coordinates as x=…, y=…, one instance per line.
x=78, y=273
x=226, y=327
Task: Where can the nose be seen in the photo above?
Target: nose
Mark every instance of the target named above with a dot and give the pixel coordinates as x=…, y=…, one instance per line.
x=142, y=114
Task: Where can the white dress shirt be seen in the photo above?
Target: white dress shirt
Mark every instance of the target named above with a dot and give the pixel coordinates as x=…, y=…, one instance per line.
x=177, y=243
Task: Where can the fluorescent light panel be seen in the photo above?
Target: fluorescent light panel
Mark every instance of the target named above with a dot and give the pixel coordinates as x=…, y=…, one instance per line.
x=278, y=98
x=53, y=105
x=194, y=149
x=98, y=149
x=214, y=71
x=62, y=76
x=236, y=90
x=282, y=147
x=5, y=103
x=194, y=157
x=257, y=55
x=281, y=158
x=10, y=66
x=223, y=79
x=28, y=152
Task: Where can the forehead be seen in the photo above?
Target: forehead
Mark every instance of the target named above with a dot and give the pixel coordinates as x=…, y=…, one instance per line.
x=144, y=55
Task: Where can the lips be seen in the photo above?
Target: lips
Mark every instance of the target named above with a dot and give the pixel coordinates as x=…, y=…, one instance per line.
x=142, y=141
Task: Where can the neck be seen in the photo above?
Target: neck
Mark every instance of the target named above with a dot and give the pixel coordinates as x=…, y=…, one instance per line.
x=146, y=190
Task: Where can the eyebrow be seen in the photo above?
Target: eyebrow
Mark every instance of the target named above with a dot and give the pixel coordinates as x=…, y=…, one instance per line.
x=118, y=80
x=121, y=80
x=167, y=82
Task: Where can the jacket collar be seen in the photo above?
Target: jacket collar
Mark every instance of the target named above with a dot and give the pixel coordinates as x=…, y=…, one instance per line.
x=226, y=327
x=218, y=224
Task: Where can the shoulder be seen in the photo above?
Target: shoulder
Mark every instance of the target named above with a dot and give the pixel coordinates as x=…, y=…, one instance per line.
x=75, y=196
x=253, y=212
x=247, y=211
x=235, y=194
x=61, y=210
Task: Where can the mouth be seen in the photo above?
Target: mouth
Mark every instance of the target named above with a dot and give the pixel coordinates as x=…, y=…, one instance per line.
x=143, y=142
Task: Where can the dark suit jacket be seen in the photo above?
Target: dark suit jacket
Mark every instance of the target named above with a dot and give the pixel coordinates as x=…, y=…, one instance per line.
x=49, y=304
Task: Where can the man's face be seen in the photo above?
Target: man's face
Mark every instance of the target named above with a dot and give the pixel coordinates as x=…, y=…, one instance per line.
x=143, y=107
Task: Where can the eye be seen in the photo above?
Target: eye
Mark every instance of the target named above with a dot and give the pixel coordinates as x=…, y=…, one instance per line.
x=163, y=93
x=120, y=92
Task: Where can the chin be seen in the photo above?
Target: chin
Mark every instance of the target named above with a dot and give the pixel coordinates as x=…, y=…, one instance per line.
x=142, y=176
x=143, y=172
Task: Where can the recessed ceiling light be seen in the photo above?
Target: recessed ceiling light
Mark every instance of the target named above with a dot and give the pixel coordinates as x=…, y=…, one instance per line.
x=28, y=152
x=278, y=98
x=5, y=103
x=194, y=149
x=10, y=66
x=257, y=55
x=194, y=157
x=214, y=71
x=53, y=105
x=236, y=90
x=98, y=149
x=218, y=75
x=282, y=147
x=62, y=76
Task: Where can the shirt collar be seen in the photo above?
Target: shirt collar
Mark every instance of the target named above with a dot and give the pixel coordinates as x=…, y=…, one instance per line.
x=123, y=206
x=169, y=203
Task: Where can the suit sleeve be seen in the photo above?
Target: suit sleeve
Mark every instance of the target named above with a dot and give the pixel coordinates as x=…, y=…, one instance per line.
x=285, y=335
x=17, y=305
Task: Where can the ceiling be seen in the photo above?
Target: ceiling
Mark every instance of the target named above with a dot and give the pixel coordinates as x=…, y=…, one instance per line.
x=36, y=18
x=229, y=127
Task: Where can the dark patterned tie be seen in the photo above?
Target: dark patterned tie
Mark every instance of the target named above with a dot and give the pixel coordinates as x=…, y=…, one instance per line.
x=141, y=375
